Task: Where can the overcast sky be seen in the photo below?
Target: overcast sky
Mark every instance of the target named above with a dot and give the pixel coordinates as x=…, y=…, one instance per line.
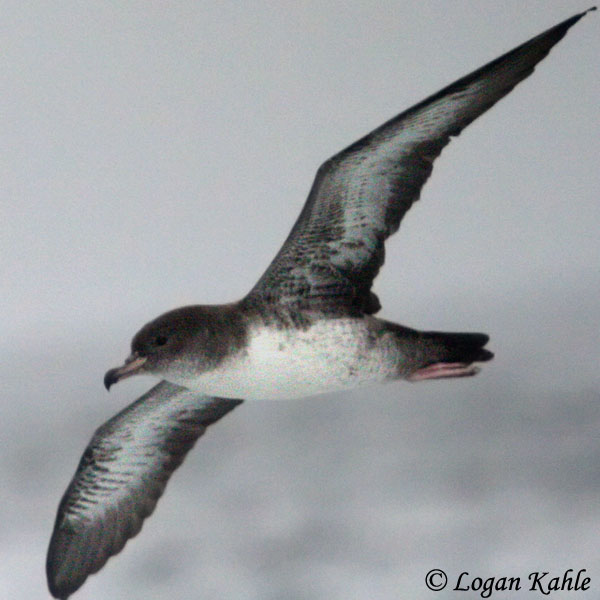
x=156, y=154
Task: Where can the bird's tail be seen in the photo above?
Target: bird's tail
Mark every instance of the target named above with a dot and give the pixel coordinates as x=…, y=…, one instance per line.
x=459, y=347
x=444, y=355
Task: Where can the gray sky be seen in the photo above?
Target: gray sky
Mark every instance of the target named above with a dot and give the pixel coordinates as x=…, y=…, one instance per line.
x=156, y=154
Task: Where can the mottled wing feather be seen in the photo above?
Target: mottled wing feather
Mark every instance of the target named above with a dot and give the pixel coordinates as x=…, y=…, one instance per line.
x=121, y=475
x=360, y=195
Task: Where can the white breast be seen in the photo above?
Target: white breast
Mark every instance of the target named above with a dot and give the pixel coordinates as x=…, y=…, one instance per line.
x=289, y=363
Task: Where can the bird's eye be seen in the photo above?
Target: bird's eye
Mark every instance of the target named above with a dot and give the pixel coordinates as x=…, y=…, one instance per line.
x=160, y=340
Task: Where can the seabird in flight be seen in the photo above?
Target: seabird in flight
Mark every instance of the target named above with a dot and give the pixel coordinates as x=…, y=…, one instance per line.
x=307, y=326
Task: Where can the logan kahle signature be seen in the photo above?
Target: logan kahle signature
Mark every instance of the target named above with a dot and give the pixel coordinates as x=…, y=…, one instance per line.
x=543, y=582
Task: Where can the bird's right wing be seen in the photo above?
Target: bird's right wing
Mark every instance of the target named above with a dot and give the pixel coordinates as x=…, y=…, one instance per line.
x=121, y=475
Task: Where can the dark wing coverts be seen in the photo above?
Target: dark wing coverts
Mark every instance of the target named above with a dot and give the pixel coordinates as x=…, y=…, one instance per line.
x=121, y=475
x=360, y=195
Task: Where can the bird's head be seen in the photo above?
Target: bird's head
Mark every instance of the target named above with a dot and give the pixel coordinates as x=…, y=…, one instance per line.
x=179, y=341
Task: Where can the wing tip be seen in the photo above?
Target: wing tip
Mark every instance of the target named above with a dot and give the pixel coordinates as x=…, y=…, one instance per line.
x=60, y=584
x=568, y=23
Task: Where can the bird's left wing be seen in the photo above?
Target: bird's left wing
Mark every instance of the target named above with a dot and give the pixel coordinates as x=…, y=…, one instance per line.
x=121, y=475
x=361, y=194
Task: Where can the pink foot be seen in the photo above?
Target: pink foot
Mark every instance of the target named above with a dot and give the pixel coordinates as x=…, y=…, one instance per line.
x=443, y=370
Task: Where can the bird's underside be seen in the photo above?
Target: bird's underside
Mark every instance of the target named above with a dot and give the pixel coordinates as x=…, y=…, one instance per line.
x=321, y=277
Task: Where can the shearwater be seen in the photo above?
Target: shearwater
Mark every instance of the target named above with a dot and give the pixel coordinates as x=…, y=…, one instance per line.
x=307, y=326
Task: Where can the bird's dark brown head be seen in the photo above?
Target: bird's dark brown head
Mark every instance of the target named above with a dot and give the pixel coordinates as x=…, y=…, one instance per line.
x=188, y=338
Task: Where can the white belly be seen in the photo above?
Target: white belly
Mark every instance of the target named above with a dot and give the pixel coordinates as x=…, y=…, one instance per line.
x=284, y=363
